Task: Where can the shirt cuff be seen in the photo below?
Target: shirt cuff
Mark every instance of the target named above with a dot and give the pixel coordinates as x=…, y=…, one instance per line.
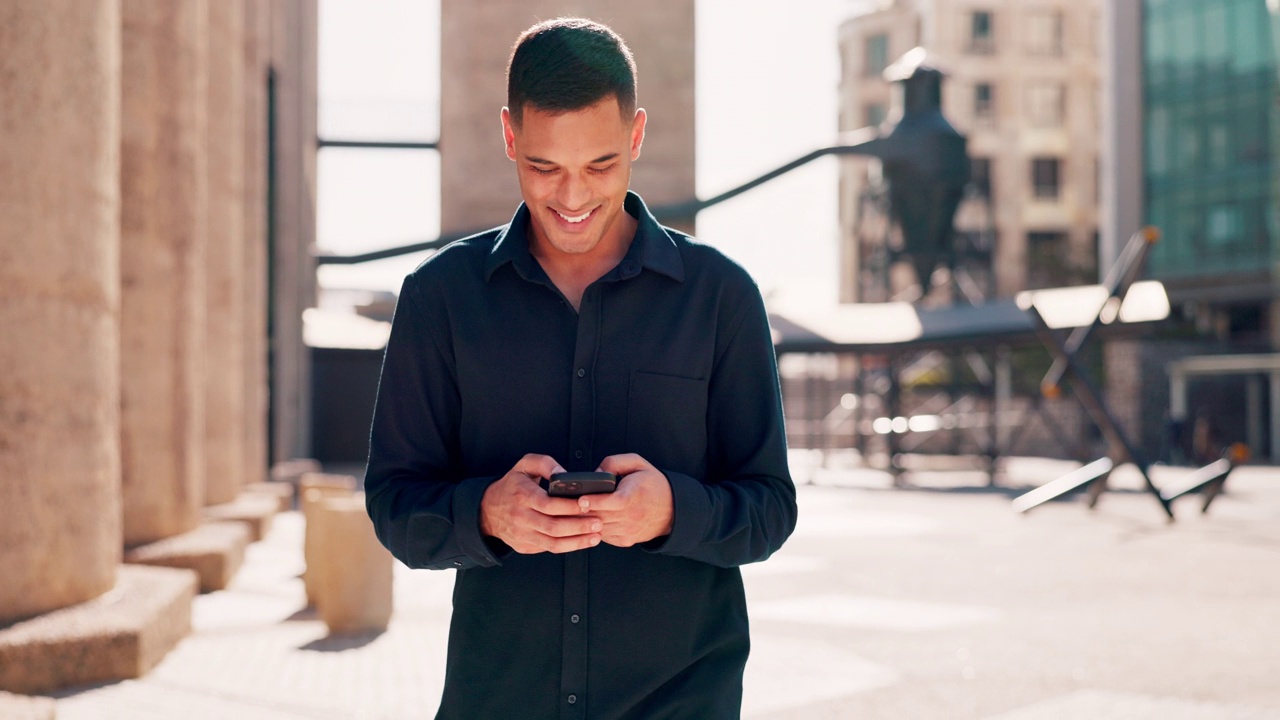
x=466, y=521
x=691, y=508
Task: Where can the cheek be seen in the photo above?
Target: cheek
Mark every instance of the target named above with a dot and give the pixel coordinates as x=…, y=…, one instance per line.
x=534, y=185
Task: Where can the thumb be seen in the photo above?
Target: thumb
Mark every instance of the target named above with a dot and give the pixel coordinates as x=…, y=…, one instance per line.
x=623, y=464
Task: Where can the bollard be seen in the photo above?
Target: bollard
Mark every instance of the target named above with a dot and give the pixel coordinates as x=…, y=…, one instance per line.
x=354, y=585
x=316, y=488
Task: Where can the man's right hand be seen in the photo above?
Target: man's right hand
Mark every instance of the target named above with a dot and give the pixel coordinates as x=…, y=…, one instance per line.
x=517, y=511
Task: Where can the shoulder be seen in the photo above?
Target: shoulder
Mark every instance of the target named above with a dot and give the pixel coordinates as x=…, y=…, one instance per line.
x=455, y=266
x=709, y=267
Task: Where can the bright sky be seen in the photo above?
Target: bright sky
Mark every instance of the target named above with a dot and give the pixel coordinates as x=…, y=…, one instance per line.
x=379, y=77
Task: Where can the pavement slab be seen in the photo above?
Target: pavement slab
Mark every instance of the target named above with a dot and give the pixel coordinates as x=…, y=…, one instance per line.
x=931, y=601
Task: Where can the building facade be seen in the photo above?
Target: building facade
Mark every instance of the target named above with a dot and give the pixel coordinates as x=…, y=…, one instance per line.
x=1022, y=82
x=156, y=220
x=1191, y=130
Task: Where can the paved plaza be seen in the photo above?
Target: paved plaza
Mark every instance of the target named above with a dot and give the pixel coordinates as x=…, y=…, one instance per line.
x=934, y=601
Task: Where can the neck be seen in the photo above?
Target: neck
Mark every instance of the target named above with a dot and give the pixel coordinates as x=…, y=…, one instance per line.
x=572, y=273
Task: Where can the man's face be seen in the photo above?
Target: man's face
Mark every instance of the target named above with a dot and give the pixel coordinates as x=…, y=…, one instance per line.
x=574, y=168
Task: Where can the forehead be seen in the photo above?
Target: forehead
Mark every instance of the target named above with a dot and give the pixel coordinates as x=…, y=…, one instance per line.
x=599, y=124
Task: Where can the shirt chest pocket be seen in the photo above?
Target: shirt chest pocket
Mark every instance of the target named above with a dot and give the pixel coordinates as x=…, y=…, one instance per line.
x=667, y=421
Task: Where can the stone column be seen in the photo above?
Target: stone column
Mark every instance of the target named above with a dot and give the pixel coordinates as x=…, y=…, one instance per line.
x=225, y=261
x=256, y=47
x=59, y=303
x=292, y=233
x=162, y=260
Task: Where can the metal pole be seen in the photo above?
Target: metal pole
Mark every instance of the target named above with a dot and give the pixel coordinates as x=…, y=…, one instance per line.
x=1091, y=400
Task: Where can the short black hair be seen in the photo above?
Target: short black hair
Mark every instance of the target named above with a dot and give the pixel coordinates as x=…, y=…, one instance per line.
x=568, y=64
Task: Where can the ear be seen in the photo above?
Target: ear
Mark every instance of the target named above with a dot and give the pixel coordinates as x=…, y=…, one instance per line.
x=637, y=133
x=508, y=134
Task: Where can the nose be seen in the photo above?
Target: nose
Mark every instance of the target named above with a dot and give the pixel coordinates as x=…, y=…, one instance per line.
x=573, y=192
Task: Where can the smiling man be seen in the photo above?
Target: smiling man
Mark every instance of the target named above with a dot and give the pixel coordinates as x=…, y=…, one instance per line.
x=582, y=336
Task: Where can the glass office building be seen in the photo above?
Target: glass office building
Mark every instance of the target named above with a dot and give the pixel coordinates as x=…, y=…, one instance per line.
x=1212, y=129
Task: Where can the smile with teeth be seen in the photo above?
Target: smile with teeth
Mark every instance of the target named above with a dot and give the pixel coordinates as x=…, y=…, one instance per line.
x=576, y=218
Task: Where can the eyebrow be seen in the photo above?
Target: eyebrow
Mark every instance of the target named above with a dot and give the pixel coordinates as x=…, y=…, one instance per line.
x=602, y=158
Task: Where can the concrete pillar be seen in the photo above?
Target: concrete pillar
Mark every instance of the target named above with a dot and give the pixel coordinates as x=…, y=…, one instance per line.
x=292, y=225
x=477, y=182
x=312, y=490
x=60, y=523
x=162, y=266
x=355, y=586
x=256, y=48
x=1120, y=195
x=225, y=261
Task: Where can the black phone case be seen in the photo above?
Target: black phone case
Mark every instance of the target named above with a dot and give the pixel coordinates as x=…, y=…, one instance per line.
x=575, y=484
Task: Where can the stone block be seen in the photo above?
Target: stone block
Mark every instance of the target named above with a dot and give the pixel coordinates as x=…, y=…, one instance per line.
x=283, y=492
x=119, y=635
x=353, y=585
x=21, y=707
x=214, y=551
x=315, y=488
x=255, y=511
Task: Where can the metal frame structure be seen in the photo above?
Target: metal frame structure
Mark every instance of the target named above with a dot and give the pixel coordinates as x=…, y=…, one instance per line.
x=1066, y=364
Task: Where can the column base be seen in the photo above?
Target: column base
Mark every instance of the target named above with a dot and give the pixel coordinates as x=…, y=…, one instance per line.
x=119, y=635
x=215, y=551
x=255, y=511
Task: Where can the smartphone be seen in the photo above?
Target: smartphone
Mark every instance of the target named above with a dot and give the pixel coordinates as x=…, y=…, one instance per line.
x=573, y=484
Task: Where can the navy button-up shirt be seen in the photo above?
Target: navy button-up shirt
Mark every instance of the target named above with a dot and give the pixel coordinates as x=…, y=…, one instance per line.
x=669, y=357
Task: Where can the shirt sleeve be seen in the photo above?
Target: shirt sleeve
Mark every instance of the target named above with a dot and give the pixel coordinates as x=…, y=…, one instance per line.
x=422, y=509
x=746, y=506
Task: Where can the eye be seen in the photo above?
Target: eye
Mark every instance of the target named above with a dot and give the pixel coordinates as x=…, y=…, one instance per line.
x=603, y=170
x=542, y=171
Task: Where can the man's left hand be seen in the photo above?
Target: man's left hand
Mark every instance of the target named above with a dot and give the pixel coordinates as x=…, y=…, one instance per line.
x=639, y=510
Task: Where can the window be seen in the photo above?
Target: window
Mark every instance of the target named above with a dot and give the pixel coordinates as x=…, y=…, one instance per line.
x=1046, y=178
x=1044, y=33
x=982, y=33
x=877, y=54
x=1045, y=104
x=1047, y=261
x=874, y=114
x=980, y=175
x=983, y=102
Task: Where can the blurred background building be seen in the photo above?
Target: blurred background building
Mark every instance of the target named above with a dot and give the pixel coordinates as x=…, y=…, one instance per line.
x=1022, y=85
x=1192, y=131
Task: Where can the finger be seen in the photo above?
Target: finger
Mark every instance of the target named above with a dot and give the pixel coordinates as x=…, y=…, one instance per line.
x=543, y=466
x=548, y=505
x=559, y=527
x=571, y=544
x=601, y=502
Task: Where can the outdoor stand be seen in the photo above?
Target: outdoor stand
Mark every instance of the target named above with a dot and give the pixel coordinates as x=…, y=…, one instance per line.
x=1066, y=363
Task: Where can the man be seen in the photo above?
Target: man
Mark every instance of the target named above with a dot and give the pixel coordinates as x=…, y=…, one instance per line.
x=582, y=336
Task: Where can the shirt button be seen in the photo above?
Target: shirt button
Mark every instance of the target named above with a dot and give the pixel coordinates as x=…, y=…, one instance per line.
x=574, y=618
x=582, y=372
x=573, y=699
x=577, y=454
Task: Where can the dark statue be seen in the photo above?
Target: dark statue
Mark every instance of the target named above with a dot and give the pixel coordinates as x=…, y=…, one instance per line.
x=924, y=160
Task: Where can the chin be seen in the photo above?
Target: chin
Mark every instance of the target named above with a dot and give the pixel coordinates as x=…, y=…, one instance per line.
x=574, y=245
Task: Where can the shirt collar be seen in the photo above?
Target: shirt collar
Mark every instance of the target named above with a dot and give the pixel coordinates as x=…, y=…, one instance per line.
x=653, y=247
